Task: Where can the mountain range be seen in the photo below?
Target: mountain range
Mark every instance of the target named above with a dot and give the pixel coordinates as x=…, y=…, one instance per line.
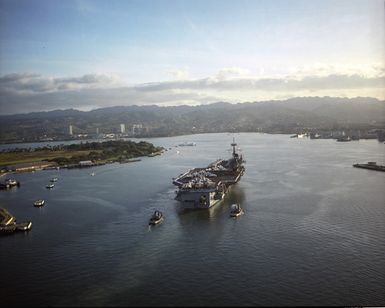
x=278, y=116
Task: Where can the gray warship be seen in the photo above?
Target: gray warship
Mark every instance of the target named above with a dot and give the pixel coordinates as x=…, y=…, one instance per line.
x=202, y=188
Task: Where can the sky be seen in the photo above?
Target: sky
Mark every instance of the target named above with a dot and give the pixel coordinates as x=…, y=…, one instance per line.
x=87, y=54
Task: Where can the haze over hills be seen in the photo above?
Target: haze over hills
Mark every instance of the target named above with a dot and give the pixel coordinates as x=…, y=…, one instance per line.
x=287, y=116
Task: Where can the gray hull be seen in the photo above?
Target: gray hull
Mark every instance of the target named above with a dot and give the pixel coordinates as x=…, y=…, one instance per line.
x=198, y=199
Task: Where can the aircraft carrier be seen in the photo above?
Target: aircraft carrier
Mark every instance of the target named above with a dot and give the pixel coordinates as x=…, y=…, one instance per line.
x=201, y=188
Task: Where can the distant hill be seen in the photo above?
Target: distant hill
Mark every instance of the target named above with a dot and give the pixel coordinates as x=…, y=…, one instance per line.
x=286, y=116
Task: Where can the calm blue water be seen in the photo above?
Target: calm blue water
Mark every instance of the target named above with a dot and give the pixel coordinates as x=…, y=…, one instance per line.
x=312, y=234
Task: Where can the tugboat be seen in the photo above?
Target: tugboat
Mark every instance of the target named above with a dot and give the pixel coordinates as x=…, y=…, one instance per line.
x=185, y=144
x=236, y=210
x=156, y=218
x=39, y=203
x=24, y=226
x=49, y=186
x=344, y=139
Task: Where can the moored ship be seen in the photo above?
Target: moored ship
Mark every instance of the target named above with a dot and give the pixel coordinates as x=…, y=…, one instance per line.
x=372, y=165
x=9, y=183
x=205, y=187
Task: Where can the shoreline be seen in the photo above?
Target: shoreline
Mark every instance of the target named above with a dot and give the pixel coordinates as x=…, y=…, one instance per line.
x=36, y=167
x=75, y=155
x=89, y=140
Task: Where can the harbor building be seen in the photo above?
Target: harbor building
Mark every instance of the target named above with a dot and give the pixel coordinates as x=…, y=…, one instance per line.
x=137, y=129
x=122, y=128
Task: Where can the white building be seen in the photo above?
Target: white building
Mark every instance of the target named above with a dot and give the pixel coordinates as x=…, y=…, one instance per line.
x=122, y=128
x=85, y=163
x=70, y=130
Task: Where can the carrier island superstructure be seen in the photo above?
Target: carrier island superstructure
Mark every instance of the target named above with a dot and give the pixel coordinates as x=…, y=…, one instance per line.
x=205, y=187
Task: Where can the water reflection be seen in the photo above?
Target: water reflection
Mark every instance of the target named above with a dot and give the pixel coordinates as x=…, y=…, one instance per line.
x=236, y=194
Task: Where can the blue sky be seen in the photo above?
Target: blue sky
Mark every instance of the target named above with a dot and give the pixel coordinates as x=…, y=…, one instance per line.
x=56, y=47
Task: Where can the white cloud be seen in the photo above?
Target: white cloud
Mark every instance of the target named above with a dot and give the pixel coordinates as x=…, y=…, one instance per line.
x=28, y=83
x=180, y=74
x=32, y=92
x=231, y=72
x=370, y=70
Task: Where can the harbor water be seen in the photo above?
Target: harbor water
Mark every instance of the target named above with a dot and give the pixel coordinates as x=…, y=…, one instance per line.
x=312, y=233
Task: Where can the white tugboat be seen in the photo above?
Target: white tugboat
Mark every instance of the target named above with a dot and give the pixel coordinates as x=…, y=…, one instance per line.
x=156, y=218
x=236, y=210
x=39, y=203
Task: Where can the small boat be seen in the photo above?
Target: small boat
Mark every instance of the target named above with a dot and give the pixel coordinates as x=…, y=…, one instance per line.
x=124, y=161
x=156, y=218
x=11, y=182
x=53, y=180
x=49, y=186
x=371, y=165
x=154, y=154
x=8, y=183
x=92, y=174
x=11, y=228
x=24, y=226
x=39, y=202
x=236, y=210
x=187, y=144
x=344, y=139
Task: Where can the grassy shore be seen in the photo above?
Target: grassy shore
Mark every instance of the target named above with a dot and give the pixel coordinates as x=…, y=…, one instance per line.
x=97, y=152
x=12, y=158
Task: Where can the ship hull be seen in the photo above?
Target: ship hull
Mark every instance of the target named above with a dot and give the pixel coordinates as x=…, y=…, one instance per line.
x=198, y=200
x=203, y=188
